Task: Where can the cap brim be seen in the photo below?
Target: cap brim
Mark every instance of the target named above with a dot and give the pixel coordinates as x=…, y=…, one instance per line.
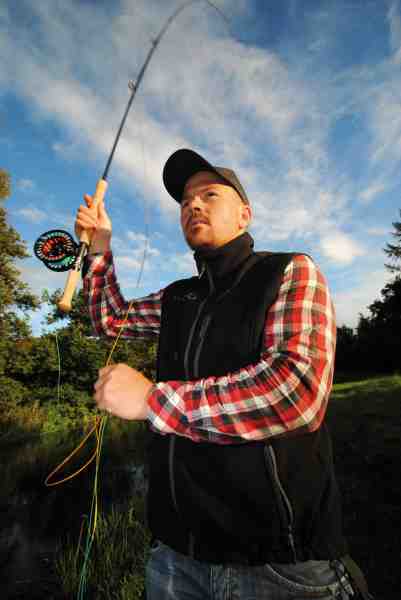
x=182, y=165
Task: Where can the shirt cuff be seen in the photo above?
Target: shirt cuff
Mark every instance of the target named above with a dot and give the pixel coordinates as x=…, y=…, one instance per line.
x=166, y=408
x=97, y=264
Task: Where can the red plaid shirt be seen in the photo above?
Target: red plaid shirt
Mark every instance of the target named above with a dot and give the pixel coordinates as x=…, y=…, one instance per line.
x=286, y=390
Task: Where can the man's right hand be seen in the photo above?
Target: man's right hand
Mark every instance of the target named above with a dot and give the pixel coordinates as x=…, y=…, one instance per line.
x=96, y=222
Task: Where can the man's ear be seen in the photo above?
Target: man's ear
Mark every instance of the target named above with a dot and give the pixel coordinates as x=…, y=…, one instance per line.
x=245, y=215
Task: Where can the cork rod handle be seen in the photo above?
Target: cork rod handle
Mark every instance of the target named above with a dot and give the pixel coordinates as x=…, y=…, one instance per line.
x=75, y=273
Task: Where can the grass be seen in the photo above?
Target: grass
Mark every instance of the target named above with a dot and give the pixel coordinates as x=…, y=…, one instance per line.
x=118, y=557
x=364, y=417
x=365, y=421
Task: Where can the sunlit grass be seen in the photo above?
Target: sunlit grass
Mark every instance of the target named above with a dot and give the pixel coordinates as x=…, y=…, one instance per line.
x=117, y=561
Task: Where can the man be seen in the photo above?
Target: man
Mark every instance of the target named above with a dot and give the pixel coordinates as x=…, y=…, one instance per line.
x=243, y=500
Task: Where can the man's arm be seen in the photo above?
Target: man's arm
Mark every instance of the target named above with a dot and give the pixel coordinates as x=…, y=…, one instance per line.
x=108, y=308
x=285, y=391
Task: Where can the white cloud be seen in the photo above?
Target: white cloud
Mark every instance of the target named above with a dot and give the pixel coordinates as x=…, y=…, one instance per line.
x=25, y=185
x=394, y=20
x=374, y=189
x=39, y=278
x=360, y=294
x=340, y=248
x=242, y=106
x=183, y=263
x=137, y=238
x=67, y=151
x=268, y=114
x=377, y=231
x=32, y=214
x=128, y=262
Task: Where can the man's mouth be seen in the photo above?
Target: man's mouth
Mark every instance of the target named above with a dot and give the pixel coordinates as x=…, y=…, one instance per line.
x=198, y=221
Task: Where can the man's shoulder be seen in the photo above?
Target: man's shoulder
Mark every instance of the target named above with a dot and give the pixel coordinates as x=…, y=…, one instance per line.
x=182, y=289
x=294, y=254
x=295, y=258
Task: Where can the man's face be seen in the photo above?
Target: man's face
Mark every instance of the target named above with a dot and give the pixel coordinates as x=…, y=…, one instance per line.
x=212, y=213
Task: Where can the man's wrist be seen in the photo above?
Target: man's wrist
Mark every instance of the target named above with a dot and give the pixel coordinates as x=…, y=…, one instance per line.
x=99, y=247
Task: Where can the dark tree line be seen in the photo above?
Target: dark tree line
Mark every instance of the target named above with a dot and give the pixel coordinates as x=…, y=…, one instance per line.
x=375, y=346
x=29, y=366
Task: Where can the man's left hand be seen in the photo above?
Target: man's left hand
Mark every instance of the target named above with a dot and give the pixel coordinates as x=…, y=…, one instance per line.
x=123, y=392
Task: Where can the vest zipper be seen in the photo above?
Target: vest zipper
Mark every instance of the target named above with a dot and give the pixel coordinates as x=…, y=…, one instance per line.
x=191, y=541
x=282, y=498
x=190, y=338
x=192, y=331
x=202, y=333
x=171, y=449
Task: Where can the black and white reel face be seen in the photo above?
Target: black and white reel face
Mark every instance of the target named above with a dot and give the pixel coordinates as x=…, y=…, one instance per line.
x=57, y=249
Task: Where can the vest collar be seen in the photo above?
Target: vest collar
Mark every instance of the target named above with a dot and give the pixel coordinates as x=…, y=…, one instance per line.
x=226, y=259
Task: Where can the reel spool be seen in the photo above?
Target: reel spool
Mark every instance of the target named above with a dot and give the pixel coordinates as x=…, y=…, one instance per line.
x=57, y=249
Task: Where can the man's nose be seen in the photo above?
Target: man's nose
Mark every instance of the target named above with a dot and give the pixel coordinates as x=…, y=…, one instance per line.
x=195, y=204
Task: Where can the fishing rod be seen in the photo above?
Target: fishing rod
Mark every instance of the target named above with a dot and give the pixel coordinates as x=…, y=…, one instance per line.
x=57, y=249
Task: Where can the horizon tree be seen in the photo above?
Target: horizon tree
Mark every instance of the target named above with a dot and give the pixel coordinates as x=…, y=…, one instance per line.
x=14, y=293
x=394, y=250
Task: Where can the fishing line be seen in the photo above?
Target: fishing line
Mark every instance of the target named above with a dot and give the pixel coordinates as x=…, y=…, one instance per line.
x=59, y=369
x=50, y=249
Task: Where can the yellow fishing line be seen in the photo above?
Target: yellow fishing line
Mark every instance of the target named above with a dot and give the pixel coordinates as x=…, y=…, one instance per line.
x=97, y=429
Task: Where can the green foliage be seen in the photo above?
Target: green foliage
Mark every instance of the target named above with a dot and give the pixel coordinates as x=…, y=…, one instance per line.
x=5, y=184
x=118, y=557
x=77, y=319
x=346, y=343
x=379, y=334
x=394, y=250
x=12, y=393
x=73, y=411
x=14, y=294
x=375, y=347
x=12, y=290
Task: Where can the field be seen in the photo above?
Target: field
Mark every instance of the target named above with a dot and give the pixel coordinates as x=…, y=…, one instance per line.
x=365, y=421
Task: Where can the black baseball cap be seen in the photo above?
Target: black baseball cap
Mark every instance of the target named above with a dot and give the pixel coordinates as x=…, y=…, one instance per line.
x=184, y=163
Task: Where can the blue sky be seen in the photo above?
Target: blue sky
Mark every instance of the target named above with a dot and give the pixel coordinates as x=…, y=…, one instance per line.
x=301, y=97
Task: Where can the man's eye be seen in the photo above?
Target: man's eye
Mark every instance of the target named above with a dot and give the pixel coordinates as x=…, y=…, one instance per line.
x=209, y=194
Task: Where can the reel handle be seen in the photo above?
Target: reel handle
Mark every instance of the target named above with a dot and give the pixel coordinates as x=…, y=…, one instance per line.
x=74, y=274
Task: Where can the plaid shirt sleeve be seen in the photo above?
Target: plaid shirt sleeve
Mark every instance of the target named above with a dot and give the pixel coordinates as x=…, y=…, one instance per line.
x=108, y=309
x=285, y=391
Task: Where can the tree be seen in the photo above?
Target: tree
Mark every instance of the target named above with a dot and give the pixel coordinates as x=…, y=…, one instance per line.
x=345, y=349
x=394, y=250
x=83, y=355
x=14, y=294
x=376, y=347
x=14, y=297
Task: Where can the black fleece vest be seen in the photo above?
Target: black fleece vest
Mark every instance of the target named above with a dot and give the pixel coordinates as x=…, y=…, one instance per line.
x=248, y=502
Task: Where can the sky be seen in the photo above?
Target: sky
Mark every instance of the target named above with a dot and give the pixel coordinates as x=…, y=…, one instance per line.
x=302, y=98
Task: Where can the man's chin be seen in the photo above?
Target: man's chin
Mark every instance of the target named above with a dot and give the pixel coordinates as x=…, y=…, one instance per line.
x=198, y=243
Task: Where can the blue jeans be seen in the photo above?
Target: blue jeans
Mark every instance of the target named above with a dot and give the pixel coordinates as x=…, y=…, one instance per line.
x=173, y=576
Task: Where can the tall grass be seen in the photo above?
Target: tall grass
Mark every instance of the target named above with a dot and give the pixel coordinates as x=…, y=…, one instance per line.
x=118, y=557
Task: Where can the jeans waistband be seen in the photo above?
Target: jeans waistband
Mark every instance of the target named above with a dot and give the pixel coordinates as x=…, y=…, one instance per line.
x=253, y=555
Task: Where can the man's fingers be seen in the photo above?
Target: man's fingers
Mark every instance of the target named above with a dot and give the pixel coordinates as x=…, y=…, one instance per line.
x=88, y=199
x=105, y=370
